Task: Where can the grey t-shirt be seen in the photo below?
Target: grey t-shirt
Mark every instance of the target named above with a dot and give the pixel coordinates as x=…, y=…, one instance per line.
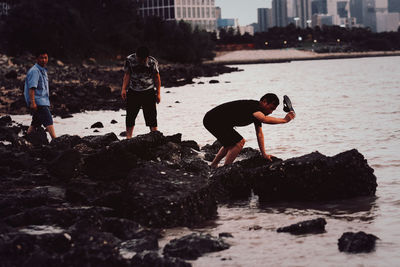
x=142, y=76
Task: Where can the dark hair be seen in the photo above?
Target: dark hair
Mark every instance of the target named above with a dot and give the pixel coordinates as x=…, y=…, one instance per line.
x=270, y=98
x=142, y=52
x=40, y=51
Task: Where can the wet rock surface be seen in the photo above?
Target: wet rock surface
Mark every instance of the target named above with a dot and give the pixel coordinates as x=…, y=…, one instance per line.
x=77, y=201
x=76, y=87
x=93, y=200
x=357, y=242
x=315, y=226
x=192, y=246
x=310, y=177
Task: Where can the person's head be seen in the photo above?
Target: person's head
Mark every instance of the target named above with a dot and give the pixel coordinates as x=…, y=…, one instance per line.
x=142, y=53
x=269, y=102
x=42, y=57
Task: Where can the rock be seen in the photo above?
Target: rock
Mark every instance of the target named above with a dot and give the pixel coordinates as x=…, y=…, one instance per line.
x=65, y=141
x=309, y=177
x=140, y=244
x=152, y=258
x=97, y=125
x=315, y=226
x=5, y=120
x=159, y=196
x=213, y=81
x=38, y=137
x=99, y=141
x=65, y=166
x=192, y=246
x=12, y=74
x=357, y=242
x=255, y=228
x=224, y=234
x=113, y=122
x=191, y=144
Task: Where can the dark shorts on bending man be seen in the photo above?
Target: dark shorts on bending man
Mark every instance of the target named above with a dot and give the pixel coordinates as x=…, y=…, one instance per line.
x=145, y=100
x=225, y=134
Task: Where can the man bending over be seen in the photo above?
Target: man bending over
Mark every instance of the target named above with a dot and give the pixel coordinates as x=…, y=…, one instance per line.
x=221, y=120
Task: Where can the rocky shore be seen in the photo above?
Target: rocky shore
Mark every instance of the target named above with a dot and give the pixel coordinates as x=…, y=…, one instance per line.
x=91, y=201
x=76, y=87
x=288, y=55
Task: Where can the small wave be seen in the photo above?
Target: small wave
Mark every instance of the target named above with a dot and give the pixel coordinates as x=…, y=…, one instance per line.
x=41, y=230
x=383, y=166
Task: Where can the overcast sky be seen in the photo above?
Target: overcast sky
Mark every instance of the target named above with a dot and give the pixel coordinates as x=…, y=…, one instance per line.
x=244, y=10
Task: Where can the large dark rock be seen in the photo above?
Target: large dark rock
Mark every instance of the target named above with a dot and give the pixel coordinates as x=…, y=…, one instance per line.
x=309, y=177
x=315, y=226
x=192, y=246
x=357, y=242
x=162, y=196
x=65, y=142
x=66, y=164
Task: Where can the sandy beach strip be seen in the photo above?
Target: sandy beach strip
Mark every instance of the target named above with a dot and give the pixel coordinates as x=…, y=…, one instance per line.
x=287, y=55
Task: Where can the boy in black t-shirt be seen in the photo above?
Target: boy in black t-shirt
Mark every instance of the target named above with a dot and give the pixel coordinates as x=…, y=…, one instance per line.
x=220, y=122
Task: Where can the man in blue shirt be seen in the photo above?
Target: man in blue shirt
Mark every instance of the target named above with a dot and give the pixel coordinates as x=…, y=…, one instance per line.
x=36, y=92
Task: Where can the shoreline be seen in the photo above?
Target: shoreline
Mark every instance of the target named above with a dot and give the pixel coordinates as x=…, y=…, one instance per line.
x=287, y=55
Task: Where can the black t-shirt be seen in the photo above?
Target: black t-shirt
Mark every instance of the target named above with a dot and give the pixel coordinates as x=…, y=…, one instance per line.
x=235, y=113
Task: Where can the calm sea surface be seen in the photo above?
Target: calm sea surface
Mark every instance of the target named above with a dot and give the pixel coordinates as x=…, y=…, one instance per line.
x=340, y=105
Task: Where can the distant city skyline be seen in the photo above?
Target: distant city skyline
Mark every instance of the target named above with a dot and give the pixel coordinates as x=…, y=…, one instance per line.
x=244, y=10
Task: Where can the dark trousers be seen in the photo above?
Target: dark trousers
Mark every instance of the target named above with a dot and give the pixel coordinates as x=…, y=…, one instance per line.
x=145, y=100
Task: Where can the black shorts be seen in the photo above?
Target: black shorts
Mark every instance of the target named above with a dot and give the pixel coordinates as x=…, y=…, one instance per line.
x=225, y=134
x=42, y=116
x=145, y=100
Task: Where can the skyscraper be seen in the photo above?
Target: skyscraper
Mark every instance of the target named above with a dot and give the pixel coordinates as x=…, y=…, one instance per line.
x=303, y=11
x=394, y=6
x=279, y=13
x=200, y=13
x=319, y=7
x=264, y=19
x=356, y=10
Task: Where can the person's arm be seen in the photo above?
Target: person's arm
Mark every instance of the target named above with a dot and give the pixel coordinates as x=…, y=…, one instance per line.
x=125, y=83
x=32, y=98
x=157, y=81
x=272, y=120
x=260, y=140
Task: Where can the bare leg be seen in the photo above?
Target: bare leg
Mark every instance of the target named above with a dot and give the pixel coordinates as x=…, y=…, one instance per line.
x=129, y=132
x=220, y=155
x=234, y=151
x=153, y=129
x=51, y=131
x=30, y=129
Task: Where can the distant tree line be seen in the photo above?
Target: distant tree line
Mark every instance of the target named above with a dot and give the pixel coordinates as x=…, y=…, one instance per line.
x=77, y=29
x=325, y=39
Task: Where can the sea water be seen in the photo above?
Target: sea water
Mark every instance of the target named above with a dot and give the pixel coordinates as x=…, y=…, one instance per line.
x=340, y=105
